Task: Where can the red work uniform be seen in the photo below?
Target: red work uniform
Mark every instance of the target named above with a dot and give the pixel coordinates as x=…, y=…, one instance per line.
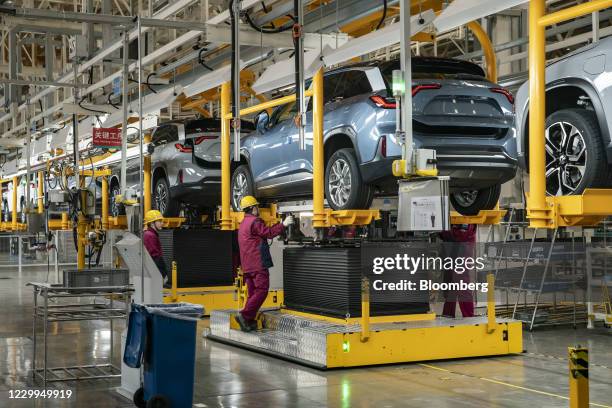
x=255, y=260
x=466, y=235
x=153, y=246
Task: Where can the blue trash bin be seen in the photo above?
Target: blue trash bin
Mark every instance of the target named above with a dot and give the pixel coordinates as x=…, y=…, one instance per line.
x=163, y=336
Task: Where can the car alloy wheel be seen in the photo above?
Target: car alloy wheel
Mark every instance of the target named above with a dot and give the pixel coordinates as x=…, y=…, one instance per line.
x=566, y=158
x=114, y=205
x=466, y=198
x=161, y=197
x=239, y=189
x=340, y=182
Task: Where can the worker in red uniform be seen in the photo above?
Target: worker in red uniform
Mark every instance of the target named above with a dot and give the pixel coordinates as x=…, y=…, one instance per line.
x=465, y=237
x=154, y=222
x=255, y=259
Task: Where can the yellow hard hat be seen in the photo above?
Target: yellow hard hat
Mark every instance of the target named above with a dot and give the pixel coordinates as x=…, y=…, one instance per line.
x=152, y=216
x=248, y=201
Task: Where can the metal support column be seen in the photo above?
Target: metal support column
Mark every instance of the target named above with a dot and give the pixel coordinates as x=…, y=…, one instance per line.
x=105, y=202
x=226, y=220
x=318, y=163
x=41, y=192
x=406, y=98
x=147, y=178
x=124, y=123
x=537, y=206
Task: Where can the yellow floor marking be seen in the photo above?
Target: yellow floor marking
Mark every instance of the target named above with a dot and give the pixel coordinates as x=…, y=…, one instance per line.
x=508, y=384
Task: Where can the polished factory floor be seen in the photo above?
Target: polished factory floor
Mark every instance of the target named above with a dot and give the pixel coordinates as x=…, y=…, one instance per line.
x=230, y=377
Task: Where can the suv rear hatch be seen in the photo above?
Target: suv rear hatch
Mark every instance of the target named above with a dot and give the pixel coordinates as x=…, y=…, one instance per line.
x=453, y=98
x=204, y=136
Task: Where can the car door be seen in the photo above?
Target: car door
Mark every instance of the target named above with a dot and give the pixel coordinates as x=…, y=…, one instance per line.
x=269, y=153
x=301, y=160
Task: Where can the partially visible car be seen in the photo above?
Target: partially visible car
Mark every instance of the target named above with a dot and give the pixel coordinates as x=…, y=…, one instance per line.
x=185, y=166
x=578, y=120
x=467, y=119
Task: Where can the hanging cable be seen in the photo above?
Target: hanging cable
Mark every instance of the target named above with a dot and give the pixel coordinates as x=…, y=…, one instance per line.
x=276, y=30
x=201, y=60
x=384, y=15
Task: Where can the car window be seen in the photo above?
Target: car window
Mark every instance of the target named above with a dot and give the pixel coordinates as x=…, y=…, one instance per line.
x=332, y=87
x=165, y=134
x=354, y=82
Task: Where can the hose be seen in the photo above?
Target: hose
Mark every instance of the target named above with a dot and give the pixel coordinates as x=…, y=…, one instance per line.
x=384, y=15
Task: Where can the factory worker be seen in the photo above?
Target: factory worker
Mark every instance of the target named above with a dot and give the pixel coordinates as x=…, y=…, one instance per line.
x=255, y=259
x=154, y=222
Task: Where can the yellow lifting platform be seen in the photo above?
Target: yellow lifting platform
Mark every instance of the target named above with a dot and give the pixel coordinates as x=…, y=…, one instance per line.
x=484, y=217
x=217, y=297
x=324, y=342
x=551, y=212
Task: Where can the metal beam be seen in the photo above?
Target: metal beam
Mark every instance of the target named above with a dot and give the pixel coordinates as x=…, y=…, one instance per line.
x=100, y=18
x=40, y=83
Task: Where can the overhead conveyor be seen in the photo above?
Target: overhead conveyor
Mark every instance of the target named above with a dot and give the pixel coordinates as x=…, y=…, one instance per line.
x=322, y=341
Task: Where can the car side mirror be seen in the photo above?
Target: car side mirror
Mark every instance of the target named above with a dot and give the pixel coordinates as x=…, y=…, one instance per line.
x=150, y=148
x=261, y=121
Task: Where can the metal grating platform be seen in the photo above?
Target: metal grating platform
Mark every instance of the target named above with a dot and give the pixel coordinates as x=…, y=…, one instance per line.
x=306, y=340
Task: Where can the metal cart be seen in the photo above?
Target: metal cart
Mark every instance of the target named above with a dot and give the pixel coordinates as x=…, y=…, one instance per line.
x=56, y=303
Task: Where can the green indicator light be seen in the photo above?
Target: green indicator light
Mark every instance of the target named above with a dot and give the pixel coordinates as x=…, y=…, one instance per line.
x=398, y=85
x=346, y=346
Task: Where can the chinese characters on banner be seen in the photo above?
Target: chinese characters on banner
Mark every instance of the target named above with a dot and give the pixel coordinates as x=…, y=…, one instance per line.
x=107, y=137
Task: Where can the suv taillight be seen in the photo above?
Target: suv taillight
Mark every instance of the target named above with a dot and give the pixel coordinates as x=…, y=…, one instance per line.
x=504, y=92
x=200, y=139
x=383, y=146
x=183, y=149
x=383, y=102
x=422, y=87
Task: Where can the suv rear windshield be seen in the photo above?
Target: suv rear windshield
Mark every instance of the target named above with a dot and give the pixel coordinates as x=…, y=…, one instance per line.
x=435, y=68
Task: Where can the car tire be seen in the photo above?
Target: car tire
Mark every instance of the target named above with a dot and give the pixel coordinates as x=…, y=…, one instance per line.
x=578, y=160
x=472, y=202
x=115, y=209
x=241, y=185
x=344, y=187
x=163, y=200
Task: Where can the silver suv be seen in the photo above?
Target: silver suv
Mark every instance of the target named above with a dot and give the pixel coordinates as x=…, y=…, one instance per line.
x=467, y=119
x=185, y=166
x=578, y=120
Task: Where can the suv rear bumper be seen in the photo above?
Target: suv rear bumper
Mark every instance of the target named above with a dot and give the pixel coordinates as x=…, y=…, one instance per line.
x=467, y=171
x=205, y=192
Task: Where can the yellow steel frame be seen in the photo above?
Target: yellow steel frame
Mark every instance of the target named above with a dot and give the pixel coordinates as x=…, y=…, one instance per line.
x=551, y=212
x=357, y=320
x=578, y=377
x=484, y=217
x=321, y=217
x=423, y=344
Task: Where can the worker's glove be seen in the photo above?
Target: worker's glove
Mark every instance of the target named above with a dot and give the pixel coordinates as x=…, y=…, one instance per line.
x=288, y=221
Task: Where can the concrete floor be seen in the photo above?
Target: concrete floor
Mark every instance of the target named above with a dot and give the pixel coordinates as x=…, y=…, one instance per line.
x=230, y=377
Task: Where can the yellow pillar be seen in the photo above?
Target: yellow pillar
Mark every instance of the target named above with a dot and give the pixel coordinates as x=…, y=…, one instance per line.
x=318, y=164
x=105, y=202
x=226, y=220
x=14, y=212
x=81, y=231
x=490, y=303
x=65, y=223
x=487, y=48
x=537, y=207
x=147, y=178
x=41, y=192
x=578, y=377
x=173, y=291
x=365, y=310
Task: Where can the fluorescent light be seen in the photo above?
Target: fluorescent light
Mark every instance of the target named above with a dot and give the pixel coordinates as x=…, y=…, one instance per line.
x=210, y=80
x=376, y=40
x=282, y=73
x=224, y=15
x=461, y=12
x=151, y=104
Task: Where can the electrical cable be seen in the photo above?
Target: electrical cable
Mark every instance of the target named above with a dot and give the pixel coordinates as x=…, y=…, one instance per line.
x=201, y=61
x=264, y=30
x=110, y=102
x=149, y=84
x=384, y=15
